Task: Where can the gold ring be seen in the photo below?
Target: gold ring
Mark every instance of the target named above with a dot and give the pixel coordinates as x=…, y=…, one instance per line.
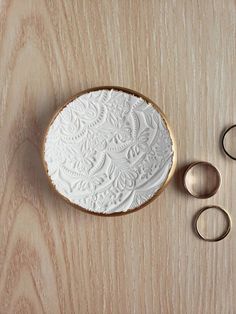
x=223, y=142
x=224, y=234
x=187, y=180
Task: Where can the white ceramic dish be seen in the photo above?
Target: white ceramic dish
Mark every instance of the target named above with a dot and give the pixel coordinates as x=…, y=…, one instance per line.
x=109, y=150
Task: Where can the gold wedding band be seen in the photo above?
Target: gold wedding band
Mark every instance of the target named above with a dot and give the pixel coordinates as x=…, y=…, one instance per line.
x=187, y=180
x=223, y=142
x=224, y=234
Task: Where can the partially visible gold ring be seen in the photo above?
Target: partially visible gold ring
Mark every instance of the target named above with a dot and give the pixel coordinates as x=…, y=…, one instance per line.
x=224, y=234
x=223, y=142
x=187, y=177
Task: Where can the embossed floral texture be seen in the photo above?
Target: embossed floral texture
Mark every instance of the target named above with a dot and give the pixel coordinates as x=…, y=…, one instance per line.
x=108, y=151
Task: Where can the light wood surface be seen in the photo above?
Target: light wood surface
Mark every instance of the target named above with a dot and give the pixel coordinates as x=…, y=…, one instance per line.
x=56, y=259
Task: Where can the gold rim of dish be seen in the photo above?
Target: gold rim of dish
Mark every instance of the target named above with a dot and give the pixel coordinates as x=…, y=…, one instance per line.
x=137, y=94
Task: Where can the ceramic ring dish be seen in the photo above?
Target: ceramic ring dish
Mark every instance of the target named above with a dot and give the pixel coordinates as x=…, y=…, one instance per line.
x=109, y=150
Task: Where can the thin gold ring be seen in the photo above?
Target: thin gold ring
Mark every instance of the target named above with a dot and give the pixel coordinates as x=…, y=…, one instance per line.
x=224, y=234
x=223, y=142
x=205, y=195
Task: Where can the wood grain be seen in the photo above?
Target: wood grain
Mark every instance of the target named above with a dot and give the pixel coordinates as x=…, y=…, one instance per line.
x=55, y=259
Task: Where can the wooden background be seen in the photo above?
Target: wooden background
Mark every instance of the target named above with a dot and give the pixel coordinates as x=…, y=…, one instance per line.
x=56, y=259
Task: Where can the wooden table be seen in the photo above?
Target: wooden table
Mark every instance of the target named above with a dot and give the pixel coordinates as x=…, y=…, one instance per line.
x=56, y=259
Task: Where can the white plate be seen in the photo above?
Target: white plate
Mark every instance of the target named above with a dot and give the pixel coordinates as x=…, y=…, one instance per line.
x=109, y=150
